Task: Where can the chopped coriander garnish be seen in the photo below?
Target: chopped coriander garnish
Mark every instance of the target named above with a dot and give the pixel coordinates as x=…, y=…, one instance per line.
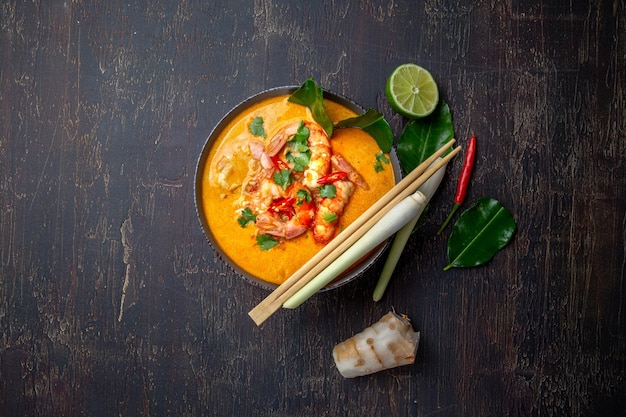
x=266, y=242
x=303, y=196
x=380, y=159
x=256, y=127
x=330, y=217
x=328, y=191
x=299, y=153
x=246, y=217
x=299, y=161
x=300, y=139
x=283, y=178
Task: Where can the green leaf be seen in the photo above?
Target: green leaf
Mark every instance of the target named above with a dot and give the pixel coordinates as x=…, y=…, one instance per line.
x=330, y=217
x=312, y=96
x=380, y=160
x=421, y=138
x=299, y=144
x=283, y=178
x=303, y=196
x=246, y=217
x=328, y=191
x=375, y=125
x=479, y=233
x=256, y=127
x=301, y=138
x=266, y=242
x=299, y=160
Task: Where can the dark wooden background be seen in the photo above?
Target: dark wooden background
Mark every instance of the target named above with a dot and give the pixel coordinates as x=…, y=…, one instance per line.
x=113, y=303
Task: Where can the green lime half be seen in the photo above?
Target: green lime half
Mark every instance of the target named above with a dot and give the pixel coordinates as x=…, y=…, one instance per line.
x=411, y=91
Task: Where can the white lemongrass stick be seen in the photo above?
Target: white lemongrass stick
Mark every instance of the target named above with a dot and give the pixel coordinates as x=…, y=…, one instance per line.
x=386, y=344
x=402, y=213
x=397, y=247
x=399, y=241
x=389, y=224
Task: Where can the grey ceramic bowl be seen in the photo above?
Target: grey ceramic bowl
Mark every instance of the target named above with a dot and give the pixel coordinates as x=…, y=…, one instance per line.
x=353, y=272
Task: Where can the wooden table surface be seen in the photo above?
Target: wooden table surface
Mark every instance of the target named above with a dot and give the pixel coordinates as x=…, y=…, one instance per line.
x=112, y=302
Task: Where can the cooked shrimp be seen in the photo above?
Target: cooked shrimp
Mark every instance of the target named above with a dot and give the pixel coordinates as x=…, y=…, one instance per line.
x=258, y=189
x=341, y=164
x=318, y=149
x=303, y=148
x=258, y=194
x=330, y=209
x=290, y=216
x=319, y=164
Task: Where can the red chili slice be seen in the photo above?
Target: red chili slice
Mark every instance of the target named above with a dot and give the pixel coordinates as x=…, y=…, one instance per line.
x=279, y=163
x=283, y=205
x=332, y=177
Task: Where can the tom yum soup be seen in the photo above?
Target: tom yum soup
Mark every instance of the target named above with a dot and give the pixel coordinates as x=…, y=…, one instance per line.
x=276, y=188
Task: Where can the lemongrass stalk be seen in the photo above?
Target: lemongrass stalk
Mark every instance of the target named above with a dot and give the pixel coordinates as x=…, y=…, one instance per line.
x=390, y=223
x=399, y=215
x=400, y=240
x=395, y=251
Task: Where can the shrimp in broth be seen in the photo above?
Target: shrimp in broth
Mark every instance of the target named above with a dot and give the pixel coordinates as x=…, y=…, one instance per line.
x=294, y=184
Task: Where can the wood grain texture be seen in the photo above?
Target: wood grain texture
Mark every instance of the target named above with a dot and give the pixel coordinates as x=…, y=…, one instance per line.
x=113, y=303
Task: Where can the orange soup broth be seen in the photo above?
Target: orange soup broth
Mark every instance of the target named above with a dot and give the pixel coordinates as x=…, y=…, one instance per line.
x=239, y=244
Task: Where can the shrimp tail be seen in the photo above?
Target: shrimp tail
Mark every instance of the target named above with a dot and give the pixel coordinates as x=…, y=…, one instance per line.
x=283, y=229
x=339, y=163
x=277, y=142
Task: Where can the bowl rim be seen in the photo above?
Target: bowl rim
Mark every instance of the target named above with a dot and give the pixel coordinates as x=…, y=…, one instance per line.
x=352, y=273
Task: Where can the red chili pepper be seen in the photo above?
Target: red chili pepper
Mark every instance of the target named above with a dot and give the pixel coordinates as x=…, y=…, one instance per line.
x=279, y=163
x=461, y=189
x=332, y=177
x=283, y=205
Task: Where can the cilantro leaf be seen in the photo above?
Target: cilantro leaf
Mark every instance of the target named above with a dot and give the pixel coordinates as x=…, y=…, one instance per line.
x=299, y=161
x=266, y=242
x=283, y=178
x=302, y=136
x=380, y=160
x=328, y=191
x=299, y=153
x=303, y=196
x=256, y=127
x=246, y=217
